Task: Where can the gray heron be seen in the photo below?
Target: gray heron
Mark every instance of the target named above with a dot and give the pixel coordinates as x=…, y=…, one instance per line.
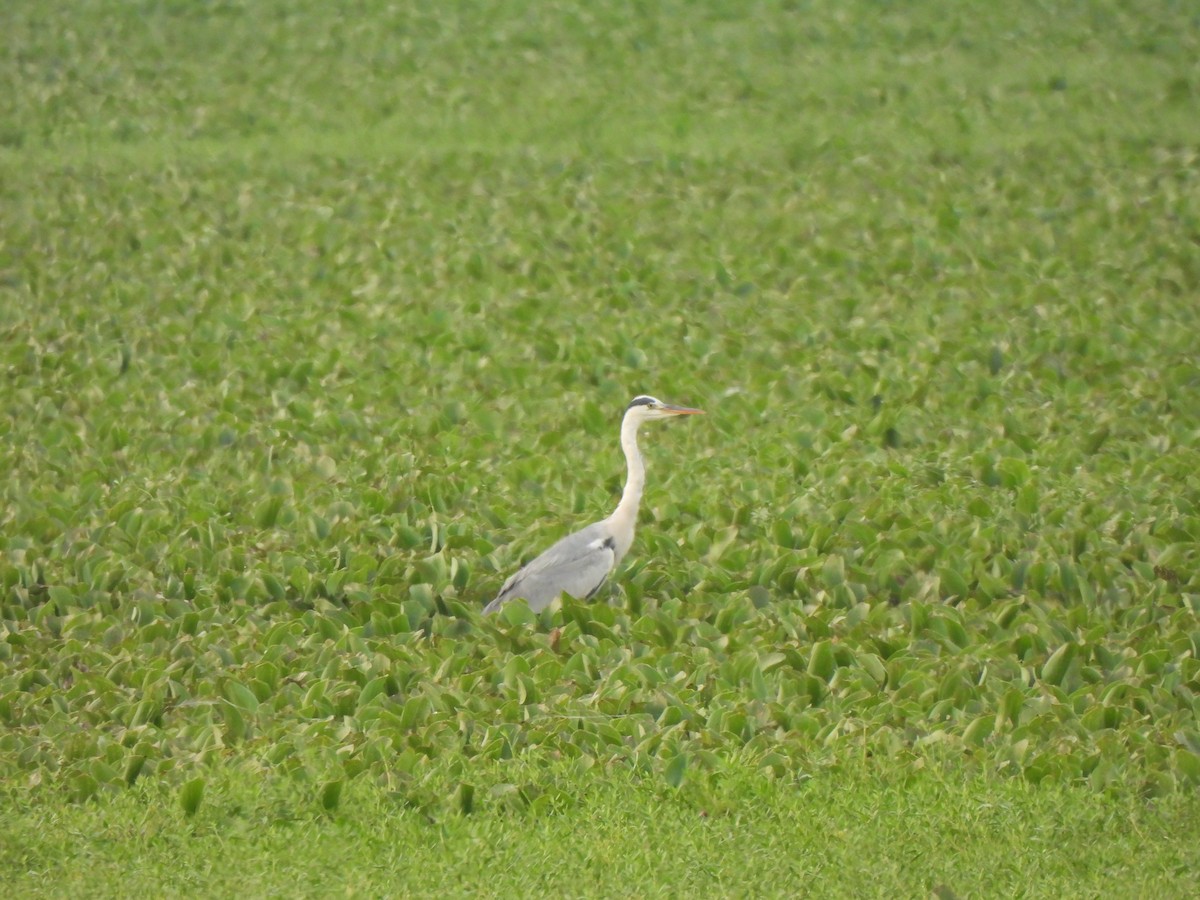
x=579, y=563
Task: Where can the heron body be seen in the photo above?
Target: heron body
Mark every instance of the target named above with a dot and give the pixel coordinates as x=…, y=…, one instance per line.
x=579, y=563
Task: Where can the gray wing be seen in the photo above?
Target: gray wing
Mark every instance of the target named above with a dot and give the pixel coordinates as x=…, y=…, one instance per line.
x=576, y=565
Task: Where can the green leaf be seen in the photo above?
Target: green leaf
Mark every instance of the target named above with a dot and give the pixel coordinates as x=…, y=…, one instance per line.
x=833, y=572
x=331, y=795
x=821, y=661
x=190, y=796
x=1056, y=666
x=1188, y=765
x=241, y=697
x=372, y=689
x=134, y=766
x=1189, y=739
x=84, y=786
x=979, y=730
x=676, y=768
x=465, y=798
x=874, y=667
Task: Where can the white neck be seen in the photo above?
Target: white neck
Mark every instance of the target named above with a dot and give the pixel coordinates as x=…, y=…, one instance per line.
x=625, y=515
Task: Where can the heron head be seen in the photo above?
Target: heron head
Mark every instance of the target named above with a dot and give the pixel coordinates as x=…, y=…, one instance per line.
x=646, y=408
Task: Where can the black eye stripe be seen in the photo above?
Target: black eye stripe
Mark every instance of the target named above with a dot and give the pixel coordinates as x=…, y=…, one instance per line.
x=642, y=401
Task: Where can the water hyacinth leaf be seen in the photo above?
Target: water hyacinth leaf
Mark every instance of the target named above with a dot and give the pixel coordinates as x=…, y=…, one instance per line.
x=191, y=795
x=275, y=432
x=873, y=665
x=235, y=723
x=979, y=730
x=676, y=770
x=133, y=768
x=464, y=798
x=62, y=597
x=461, y=577
x=1189, y=739
x=415, y=711
x=269, y=510
x=104, y=773
x=821, y=661
x=374, y=688
x=758, y=684
x=83, y=787
x=517, y=614
x=1187, y=764
x=1010, y=707
x=954, y=583
x=241, y=697
x=1056, y=666
x=331, y=795
x=833, y=572
x=1096, y=439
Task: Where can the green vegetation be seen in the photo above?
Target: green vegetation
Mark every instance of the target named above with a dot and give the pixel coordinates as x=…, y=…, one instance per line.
x=854, y=835
x=314, y=325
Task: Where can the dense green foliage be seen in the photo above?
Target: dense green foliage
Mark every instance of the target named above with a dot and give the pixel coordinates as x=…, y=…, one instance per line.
x=861, y=834
x=313, y=326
